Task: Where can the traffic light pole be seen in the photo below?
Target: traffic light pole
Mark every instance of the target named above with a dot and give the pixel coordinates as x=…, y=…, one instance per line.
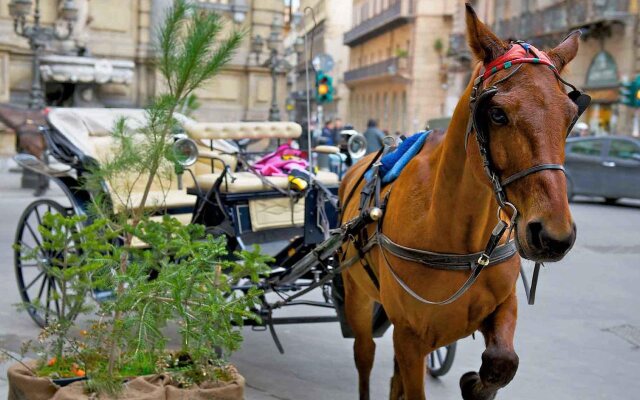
x=319, y=126
x=636, y=123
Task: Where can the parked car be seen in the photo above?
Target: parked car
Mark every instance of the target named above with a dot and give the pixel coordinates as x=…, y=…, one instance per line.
x=607, y=166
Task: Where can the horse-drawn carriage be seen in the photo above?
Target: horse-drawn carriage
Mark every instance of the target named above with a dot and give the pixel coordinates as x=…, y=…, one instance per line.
x=220, y=190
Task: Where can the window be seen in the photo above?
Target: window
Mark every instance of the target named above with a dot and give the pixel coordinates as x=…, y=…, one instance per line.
x=624, y=150
x=587, y=148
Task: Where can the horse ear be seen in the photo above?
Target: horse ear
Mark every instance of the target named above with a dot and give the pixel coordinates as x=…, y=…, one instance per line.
x=565, y=51
x=485, y=45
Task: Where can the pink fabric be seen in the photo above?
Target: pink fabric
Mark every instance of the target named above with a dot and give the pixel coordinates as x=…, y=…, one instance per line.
x=275, y=164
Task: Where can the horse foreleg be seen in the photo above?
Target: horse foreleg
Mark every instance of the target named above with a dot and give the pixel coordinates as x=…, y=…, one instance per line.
x=397, y=390
x=410, y=355
x=499, y=360
x=358, y=309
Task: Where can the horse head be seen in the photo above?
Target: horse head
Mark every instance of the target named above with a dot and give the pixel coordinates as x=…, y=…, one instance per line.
x=520, y=117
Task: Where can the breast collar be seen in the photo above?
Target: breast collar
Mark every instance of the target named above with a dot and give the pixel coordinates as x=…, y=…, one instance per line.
x=519, y=53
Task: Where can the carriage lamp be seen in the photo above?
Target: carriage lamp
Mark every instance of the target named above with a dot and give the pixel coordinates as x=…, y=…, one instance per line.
x=39, y=37
x=185, y=154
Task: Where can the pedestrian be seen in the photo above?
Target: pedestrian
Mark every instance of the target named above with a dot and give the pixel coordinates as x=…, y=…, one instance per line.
x=337, y=128
x=374, y=136
x=581, y=129
x=327, y=133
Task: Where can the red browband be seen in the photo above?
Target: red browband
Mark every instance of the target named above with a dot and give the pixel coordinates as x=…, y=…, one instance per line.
x=519, y=53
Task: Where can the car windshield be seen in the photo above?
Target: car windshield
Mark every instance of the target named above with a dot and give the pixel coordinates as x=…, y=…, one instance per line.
x=624, y=149
x=586, y=147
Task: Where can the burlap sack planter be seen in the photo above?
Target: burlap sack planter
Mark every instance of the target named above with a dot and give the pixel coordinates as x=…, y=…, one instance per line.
x=23, y=385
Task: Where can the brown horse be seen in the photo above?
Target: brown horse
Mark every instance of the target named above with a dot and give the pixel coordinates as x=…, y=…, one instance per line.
x=444, y=202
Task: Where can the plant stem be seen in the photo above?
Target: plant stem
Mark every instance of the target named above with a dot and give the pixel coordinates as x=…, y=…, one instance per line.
x=16, y=359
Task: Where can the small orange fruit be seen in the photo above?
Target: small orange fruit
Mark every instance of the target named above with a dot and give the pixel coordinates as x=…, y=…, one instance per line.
x=52, y=362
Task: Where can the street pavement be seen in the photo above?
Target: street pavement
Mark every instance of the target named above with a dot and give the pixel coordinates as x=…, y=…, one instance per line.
x=580, y=341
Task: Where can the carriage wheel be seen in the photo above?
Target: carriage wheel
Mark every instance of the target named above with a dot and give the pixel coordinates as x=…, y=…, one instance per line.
x=39, y=290
x=439, y=362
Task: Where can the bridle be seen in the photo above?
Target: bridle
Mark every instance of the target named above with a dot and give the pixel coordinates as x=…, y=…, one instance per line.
x=520, y=53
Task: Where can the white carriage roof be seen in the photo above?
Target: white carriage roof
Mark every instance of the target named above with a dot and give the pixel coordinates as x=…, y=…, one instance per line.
x=80, y=124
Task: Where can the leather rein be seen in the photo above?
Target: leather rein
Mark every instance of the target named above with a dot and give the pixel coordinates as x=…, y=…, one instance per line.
x=493, y=254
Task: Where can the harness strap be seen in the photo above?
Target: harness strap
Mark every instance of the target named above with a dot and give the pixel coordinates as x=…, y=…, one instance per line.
x=456, y=262
x=530, y=291
x=467, y=284
x=360, y=246
x=532, y=170
x=344, y=205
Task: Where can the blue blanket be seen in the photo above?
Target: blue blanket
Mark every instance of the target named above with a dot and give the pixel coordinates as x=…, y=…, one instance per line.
x=394, y=162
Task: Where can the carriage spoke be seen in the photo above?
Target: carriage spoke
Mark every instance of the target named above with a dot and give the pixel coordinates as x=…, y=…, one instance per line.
x=26, y=288
x=46, y=311
x=440, y=358
x=33, y=234
x=41, y=290
x=31, y=249
x=38, y=215
x=55, y=299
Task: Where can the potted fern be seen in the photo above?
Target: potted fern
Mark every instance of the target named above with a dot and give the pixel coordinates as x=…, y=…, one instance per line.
x=173, y=317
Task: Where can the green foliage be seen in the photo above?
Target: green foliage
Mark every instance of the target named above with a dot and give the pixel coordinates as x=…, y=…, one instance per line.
x=164, y=275
x=402, y=53
x=438, y=45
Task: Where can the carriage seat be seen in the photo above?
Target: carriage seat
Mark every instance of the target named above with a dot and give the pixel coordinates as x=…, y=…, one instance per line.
x=240, y=130
x=90, y=131
x=247, y=182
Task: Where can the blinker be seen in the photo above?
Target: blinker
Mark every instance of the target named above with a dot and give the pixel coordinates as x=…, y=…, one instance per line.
x=582, y=100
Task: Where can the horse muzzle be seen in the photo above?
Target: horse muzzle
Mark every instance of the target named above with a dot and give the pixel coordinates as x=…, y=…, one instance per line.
x=537, y=243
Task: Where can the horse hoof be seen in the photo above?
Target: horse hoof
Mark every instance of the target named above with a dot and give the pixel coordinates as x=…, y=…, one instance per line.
x=468, y=382
x=471, y=387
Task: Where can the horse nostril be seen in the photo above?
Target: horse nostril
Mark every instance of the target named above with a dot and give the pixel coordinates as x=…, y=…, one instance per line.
x=540, y=239
x=534, y=230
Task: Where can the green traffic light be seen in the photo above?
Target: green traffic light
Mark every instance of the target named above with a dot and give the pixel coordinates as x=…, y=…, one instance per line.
x=628, y=93
x=324, y=88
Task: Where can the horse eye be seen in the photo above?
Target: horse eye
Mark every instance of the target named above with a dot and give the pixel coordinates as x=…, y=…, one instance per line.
x=498, y=116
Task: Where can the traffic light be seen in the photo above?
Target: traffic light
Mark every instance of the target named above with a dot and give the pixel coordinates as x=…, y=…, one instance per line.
x=630, y=93
x=324, y=88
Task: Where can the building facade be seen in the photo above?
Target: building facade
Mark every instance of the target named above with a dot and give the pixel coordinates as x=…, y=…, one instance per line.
x=608, y=50
x=108, y=61
x=397, y=60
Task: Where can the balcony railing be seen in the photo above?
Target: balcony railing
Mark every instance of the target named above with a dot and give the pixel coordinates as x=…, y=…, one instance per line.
x=391, y=67
x=561, y=18
x=396, y=14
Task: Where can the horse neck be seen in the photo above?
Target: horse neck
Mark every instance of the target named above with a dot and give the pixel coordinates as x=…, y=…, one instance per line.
x=460, y=207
